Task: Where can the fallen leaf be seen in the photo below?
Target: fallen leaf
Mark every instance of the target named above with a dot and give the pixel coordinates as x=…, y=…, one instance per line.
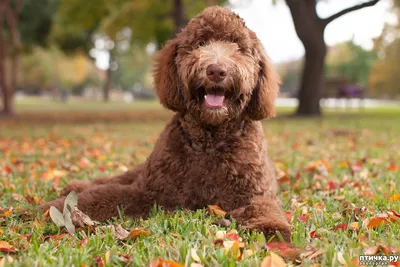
x=338, y=197
x=6, y=261
x=216, y=210
x=99, y=262
x=220, y=235
x=315, y=254
x=56, y=216
x=273, y=260
x=354, y=226
x=68, y=221
x=233, y=235
x=159, y=262
x=372, y=251
x=18, y=197
x=70, y=201
x=395, y=197
x=233, y=248
x=286, y=250
x=303, y=219
x=342, y=227
x=248, y=253
x=392, y=168
x=313, y=234
x=289, y=216
x=341, y=259
x=5, y=247
x=376, y=221
x=194, y=255
x=107, y=256
x=80, y=219
x=6, y=213
x=124, y=258
x=138, y=232
x=120, y=232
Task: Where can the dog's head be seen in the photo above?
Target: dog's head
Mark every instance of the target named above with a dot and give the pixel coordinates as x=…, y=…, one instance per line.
x=216, y=69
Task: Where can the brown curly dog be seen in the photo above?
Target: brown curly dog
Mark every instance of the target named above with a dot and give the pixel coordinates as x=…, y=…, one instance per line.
x=216, y=76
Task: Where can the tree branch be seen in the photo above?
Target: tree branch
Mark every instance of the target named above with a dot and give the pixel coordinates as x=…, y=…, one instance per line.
x=348, y=10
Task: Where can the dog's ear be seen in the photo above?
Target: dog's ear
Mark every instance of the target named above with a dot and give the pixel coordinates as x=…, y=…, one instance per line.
x=166, y=78
x=261, y=104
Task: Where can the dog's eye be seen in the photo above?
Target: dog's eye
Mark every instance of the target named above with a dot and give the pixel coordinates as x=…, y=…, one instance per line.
x=202, y=43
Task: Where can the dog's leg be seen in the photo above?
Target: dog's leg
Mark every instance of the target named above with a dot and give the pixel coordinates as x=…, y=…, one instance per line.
x=125, y=178
x=101, y=202
x=264, y=215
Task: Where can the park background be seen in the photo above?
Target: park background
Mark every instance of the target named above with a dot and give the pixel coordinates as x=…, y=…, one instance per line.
x=78, y=103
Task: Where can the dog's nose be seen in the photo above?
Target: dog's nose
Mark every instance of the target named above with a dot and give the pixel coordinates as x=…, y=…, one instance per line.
x=216, y=73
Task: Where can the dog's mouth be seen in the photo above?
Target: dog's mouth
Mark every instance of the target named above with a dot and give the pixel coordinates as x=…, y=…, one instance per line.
x=212, y=98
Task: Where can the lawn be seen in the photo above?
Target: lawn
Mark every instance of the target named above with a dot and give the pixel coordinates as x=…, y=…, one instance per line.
x=338, y=177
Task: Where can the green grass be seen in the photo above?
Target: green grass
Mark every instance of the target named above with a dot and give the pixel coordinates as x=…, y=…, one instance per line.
x=38, y=156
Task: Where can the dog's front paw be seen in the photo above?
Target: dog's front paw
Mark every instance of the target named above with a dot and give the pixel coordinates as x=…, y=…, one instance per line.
x=58, y=203
x=75, y=185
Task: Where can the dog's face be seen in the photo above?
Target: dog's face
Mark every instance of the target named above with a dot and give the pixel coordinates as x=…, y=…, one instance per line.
x=216, y=69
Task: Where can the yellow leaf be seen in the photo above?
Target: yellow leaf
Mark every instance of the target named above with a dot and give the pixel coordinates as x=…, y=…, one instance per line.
x=354, y=226
x=7, y=259
x=338, y=197
x=194, y=255
x=6, y=213
x=107, y=256
x=273, y=260
x=215, y=210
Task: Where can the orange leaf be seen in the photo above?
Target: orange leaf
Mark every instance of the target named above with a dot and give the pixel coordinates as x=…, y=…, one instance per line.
x=392, y=168
x=273, y=260
x=377, y=220
x=394, y=197
x=216, y=210
x=6, y=213
x=159, y=262
x=289, y=216
x=137, y=232
x=6, y=247
x=338, y=197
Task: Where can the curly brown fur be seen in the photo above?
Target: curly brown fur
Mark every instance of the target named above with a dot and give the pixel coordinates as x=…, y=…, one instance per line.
x=213, y=150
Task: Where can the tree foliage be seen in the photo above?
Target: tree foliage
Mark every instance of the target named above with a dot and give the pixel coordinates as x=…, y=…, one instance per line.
x=350, y=61
x=384, y=76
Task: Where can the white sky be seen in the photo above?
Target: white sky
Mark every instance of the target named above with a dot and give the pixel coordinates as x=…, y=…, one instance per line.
x=273, y=25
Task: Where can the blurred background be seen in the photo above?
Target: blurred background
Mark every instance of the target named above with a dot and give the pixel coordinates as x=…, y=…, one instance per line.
x=97, y=54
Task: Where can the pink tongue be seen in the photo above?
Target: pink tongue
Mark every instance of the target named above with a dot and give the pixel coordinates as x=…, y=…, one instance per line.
x=214, y=100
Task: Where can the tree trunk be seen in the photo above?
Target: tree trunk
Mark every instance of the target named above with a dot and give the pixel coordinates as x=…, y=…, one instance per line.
x=10, y=16
x=178, y=15
x=310, y=30
x=312, y=80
